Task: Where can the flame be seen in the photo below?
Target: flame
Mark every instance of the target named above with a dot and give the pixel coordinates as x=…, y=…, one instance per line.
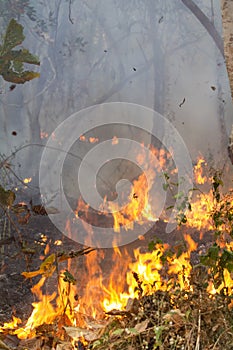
x=202, y=203
x=27, y=180
x=104, y=289
x=115, y=140
x=58, y=242
x=44, y=135
x=93, y=139
x=44, y=311
x=147, y=268
x=181, y=266
x=90, y=139
x=200, y=178
x=11, y=325
x=82, y=138
x=139, y=209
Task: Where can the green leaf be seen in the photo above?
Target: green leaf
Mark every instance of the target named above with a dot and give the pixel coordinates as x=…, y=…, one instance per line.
x=118, y=331
x=165, y=186
x=68, y=277
x=96, y=343
x=22, y=55
x=17, y=67
x=226, y=260
x=151, y=246
x=19, y=78
x=47, y=262
x=13, y=37
x=11, y=61
x=212, y=256
x=133, y=331
x=179, y=195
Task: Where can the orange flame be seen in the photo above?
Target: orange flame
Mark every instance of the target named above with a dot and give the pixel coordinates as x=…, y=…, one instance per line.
x=101, y=290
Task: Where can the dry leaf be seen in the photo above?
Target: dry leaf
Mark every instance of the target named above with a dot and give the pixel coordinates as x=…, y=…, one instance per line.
x=141, y=327
x=175, y=316
x=52, y=210
x=77, y=332
x=64, y=346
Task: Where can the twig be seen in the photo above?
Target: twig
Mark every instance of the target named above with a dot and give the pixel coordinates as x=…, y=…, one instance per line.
x=61, y=256
x=12, y=223
x=70, y=19
x=226, y=330
x=4, y=346
x=197, y=347
x=182, y=102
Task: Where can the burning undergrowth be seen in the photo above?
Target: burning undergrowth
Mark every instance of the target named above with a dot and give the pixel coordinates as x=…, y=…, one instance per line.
x=160, y=296
x=169, y=304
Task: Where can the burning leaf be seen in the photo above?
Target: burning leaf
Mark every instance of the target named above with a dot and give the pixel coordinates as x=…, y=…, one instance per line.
x=46, y=268
x=31, y=274
x=47, y=265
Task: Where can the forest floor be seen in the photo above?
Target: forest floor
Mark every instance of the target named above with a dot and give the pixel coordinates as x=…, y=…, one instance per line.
x=164, y=319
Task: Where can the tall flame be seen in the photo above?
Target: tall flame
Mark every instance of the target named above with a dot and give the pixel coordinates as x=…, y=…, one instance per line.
x=109, y=287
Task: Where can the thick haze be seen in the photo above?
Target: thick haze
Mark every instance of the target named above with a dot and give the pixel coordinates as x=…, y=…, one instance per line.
x=153, y=53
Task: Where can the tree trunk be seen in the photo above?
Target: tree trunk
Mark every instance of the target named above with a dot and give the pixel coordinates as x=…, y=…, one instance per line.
x=227, y=20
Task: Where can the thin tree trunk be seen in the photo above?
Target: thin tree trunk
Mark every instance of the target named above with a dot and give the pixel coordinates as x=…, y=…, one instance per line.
x=227, y=21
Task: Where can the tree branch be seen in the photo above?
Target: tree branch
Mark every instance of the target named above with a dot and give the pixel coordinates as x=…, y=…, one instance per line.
x=204, y=20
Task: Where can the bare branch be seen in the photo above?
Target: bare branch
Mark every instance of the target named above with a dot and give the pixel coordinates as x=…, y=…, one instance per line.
x=204, y=20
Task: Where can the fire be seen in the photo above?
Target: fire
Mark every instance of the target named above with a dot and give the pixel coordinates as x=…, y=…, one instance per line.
x=82, y=138
x=115, y=140
x=147, y=268
x=90, y=139
x=93, y=139
x=48, y=308
x=181, y=266
x=128, y=277
x=202, y=204
x=200, y=178
x=136, y=210
x=139, y=209
x=11, y=325
x=44, y=135
x=43, y=311
x=27, y=180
